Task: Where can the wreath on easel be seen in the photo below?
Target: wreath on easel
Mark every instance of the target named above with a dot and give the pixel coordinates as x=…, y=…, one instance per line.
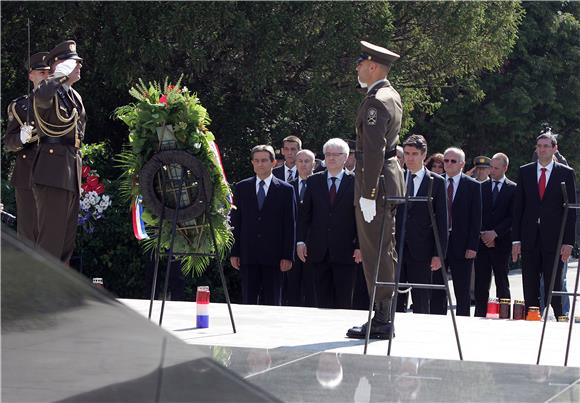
x=168, y=131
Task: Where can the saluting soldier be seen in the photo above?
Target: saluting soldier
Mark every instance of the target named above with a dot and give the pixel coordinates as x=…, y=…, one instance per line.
x=378, y=124
x=60, y=117
x=20, y=138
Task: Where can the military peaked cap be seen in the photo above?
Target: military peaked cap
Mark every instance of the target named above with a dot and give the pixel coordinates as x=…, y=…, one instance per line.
x=482, y=161
x=38, y=61
x=377, y=54
x=63, y=51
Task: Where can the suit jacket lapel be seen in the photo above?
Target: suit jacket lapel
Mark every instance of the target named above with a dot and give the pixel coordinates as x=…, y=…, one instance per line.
x=554, y=179
x=254, y=194
x=346, y=181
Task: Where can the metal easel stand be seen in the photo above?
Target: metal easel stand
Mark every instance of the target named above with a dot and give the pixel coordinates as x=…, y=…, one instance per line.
x=575, y=294
x=405, y=201
x=171, y=254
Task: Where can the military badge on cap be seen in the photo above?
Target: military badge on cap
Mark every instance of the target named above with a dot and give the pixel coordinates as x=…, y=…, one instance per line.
x=372, y=116
x=73, y=47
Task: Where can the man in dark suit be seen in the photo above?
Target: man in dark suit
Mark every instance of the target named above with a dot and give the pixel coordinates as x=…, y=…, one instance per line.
x=497, y=196
x=264, y=230
x=56, y=177
x=538, y=210
x=464, y=222
x=299, y=282
x=420, y=257
x=290, y=147
x=20, y=138
x=327, y=237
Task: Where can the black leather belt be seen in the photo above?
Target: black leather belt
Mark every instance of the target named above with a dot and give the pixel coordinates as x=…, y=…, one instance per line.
x=67, y=141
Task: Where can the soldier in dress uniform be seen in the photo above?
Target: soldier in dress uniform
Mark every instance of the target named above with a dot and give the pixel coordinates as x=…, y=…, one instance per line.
x=20, y=138
x=378, y=124
x=60, y=118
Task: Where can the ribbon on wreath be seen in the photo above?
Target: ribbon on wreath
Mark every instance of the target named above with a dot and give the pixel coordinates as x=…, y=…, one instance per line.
x=218, y=160
x=138, y=224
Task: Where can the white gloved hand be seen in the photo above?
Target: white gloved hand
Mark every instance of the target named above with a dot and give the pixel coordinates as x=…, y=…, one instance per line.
x=25, y=133
x=65, y=68
x=368, y=208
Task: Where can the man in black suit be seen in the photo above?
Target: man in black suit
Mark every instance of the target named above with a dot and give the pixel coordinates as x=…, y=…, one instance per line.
x=420, y=256
x=464, y=222
x=264, y=230
x=299, y=282
x=290, y=147
x=538, y=210
x=497, y=197
x=327, y=237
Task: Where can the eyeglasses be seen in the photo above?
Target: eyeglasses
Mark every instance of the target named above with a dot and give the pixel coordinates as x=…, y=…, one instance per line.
x=448, y=161
x=334, y=154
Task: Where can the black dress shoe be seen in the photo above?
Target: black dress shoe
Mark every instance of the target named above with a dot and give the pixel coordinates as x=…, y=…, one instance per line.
x=380, y=331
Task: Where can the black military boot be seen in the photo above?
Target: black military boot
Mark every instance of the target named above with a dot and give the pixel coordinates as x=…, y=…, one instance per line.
x=380, y=324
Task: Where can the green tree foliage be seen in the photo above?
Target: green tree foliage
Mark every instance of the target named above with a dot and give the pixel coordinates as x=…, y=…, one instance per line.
x=263, y=70
x=537, y=84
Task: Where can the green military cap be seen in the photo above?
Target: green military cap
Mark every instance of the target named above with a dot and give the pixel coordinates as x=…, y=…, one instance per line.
x=63, y=51
x=376, y=54
x=482, y=161
x=38, y=61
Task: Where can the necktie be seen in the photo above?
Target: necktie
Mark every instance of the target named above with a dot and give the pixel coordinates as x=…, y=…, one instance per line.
x=542, y=183
x=449, y=202
x=411, y=185
x=332, y=191
x=302, y=189
x=261, y=195
x=290, y=176
x=495, y=192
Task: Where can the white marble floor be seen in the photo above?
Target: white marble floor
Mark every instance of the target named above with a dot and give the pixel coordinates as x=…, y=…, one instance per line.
x=425, y=336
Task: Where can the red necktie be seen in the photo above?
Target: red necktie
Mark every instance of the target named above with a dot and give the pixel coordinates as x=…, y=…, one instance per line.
x=542, y=183
x=332, y=191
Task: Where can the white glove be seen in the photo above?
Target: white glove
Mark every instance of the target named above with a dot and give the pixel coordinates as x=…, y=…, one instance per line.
x=65, y=68
x=25, y=133
x=368, y=208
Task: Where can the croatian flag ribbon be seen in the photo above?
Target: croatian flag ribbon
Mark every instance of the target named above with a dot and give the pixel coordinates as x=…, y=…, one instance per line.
x=138, y=224
x=218, y=160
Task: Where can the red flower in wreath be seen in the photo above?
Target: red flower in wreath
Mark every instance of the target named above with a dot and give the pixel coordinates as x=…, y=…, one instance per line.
x=163, y=100
x=100, y=188
x=86, y=170
x=92, y=181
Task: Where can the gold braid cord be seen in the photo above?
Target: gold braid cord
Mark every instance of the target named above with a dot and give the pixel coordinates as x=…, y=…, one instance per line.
x=70, y=124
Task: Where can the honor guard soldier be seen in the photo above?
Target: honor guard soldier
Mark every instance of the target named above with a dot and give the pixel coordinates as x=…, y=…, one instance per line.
x=20, y=138
x=60, y=117
x=481, y=168
x=378, y=123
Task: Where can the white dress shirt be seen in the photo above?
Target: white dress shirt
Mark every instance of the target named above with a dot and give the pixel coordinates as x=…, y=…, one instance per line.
x=549, y=169
x=418, y=179
x=267, y=182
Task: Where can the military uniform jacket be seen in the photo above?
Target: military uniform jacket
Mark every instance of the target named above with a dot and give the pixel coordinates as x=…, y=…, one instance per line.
x=25, y=153
x=61, y=119
x=378, y=124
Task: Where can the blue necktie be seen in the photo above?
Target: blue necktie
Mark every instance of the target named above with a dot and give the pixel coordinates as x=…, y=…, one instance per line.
x=302, y=189
x=261, y=195
x=495, y=193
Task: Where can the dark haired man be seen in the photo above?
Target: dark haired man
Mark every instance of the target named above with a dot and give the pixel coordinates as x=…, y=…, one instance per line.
x=290, y=147
x=538, y=210
x=420, y=257
x=264, y=230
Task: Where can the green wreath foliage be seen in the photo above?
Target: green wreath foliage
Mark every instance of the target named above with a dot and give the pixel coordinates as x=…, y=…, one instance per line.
x=173, y=104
